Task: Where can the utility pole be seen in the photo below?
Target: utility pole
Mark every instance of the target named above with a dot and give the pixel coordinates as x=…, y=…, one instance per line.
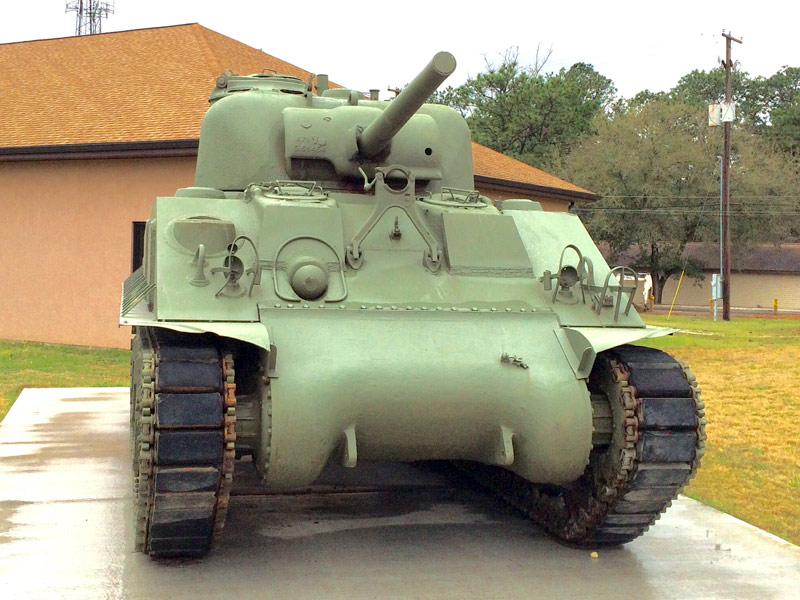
x=726, y=187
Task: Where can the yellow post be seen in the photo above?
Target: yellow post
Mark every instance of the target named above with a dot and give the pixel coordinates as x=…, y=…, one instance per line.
x=678, y=289
x=775, y=307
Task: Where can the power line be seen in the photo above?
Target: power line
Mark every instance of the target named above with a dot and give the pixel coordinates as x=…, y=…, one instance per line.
x=679, y=205
x=680, y=202
x=643, y=196
x=687, y=211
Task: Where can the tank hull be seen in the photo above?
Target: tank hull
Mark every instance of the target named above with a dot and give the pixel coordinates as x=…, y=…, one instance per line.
x=407, y=385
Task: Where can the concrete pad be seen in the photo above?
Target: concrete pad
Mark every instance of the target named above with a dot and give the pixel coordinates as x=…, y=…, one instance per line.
x=66, y=512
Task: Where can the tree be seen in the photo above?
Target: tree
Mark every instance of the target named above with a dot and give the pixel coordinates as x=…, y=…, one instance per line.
x=769, y=106
x=655, y=167
x=526, y=114
x=785, y=128
x=780, y=97
x=701, y=88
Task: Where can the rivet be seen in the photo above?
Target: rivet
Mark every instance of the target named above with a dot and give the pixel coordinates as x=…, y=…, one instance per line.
x=508, y=310
x=305, y=305
x=424, y=308
x=342, y=306
x=379, y=307
x=394, y=307
x=453, y=308
x=494, y=309
x=289, y=305
x=363, y=306
x=474, y=309
x=521, y=310
x=438, y=308
x=322, y=306
x=277, y=305
x=409, y=308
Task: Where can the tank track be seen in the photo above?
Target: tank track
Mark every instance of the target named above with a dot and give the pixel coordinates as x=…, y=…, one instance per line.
x=658, y=441
x=183, y=434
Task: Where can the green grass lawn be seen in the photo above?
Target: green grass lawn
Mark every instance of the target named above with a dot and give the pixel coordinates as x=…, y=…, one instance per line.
x=30, y=364
x=739, y=332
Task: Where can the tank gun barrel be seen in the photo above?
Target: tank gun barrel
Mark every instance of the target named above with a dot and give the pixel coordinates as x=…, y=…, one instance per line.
x=380, y=132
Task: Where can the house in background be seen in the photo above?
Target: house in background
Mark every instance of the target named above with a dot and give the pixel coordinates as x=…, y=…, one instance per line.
x=759, y=275
x=92, y=129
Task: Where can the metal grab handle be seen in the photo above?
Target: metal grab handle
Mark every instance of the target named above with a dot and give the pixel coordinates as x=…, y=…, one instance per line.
x=277, y=186
x=586, y=269
x=620, y=289
x=469, y=196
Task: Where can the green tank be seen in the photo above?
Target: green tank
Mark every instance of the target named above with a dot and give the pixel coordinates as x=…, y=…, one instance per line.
x=334, y=289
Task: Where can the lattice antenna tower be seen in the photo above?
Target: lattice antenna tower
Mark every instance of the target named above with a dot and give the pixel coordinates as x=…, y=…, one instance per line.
x=89, y=15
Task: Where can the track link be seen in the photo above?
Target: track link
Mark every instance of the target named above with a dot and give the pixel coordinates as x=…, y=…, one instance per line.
x=183, y=422
x=658, y=441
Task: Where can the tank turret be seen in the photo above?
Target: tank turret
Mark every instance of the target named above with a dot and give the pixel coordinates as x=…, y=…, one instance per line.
x=269, y=127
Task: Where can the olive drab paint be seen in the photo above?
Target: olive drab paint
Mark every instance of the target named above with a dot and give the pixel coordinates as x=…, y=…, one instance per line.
x=376, y=305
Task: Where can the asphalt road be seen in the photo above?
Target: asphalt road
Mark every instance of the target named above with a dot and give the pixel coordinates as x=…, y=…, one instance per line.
x=401, y=532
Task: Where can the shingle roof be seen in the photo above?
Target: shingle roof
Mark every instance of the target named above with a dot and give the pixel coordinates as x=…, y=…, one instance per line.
x=149, y=85
x=491, y=163
x=762, y=258
x=144, y=84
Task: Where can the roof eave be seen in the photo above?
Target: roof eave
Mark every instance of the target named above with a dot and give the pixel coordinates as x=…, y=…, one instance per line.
x=755, y=271
x=143, y=149
x=509, y=185
x=188, y=147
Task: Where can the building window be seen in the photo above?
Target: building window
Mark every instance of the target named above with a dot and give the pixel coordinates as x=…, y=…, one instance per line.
x=137, y=245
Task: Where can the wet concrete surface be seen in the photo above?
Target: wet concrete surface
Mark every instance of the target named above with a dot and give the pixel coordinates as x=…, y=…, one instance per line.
x=403, y=532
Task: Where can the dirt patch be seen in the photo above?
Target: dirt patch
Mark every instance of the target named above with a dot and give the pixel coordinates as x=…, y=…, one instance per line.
x=7, y=510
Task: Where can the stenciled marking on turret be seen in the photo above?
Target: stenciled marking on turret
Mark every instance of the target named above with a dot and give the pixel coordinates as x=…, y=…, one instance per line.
x=311, y=145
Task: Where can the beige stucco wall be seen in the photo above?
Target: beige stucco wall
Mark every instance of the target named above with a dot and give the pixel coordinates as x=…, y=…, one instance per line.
x=65, y=242
x=748, y=290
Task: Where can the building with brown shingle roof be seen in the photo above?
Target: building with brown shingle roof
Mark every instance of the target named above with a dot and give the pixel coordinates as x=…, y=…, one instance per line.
x=760, y=275
x=142, y=85
x=91, y=130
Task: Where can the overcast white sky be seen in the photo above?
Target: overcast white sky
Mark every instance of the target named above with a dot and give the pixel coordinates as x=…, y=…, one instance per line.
x=639, y=45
